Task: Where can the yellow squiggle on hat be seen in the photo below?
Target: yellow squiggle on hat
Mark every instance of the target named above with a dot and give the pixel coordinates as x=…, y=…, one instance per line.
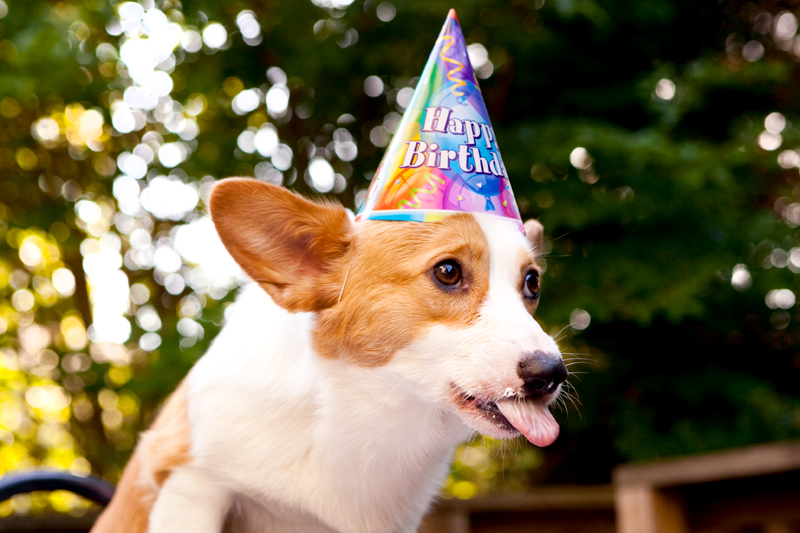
x=415, y=202
x=458, y=83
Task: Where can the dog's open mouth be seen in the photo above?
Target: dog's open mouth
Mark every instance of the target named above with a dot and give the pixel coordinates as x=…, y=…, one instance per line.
x=528, y=416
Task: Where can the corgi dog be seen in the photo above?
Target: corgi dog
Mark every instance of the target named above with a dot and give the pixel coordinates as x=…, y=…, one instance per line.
x=347, y=372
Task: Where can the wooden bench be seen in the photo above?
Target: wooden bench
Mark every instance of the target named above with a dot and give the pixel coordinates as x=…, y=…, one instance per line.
x=749, y=490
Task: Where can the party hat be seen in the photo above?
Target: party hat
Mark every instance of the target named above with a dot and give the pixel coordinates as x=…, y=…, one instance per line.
x=443, y=159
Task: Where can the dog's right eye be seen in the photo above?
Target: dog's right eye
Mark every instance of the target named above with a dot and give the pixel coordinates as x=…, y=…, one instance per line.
x=531, y=286
x=448, y=273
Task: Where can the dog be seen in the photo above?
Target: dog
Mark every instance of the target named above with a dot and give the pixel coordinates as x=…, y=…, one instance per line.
x=347, y=372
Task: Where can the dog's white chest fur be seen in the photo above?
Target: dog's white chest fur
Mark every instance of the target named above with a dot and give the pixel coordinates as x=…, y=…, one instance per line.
x=299, y=432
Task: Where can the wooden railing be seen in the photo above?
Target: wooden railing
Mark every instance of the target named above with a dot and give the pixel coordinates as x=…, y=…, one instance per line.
x=754, y=490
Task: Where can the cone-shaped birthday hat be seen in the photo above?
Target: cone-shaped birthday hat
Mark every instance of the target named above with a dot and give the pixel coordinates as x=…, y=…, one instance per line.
x=444, y=156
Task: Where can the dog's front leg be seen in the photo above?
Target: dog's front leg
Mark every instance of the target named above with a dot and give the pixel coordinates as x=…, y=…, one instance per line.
x=190, y=500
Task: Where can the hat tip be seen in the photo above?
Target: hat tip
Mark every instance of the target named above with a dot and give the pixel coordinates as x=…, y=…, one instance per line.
x=452, y=14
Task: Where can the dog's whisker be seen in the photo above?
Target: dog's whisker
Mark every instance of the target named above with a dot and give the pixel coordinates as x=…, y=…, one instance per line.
x=466, y=450
x=570, y=385
x=577, y=409
x=344, y=283
x=563, y=403
x=559, y=403
x=579, y=359
x=560, y=236
x=574, y=365
x=557, y=337
x=573, y=397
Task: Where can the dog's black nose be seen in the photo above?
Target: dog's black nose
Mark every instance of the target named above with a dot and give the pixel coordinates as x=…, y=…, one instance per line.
x=542, y=373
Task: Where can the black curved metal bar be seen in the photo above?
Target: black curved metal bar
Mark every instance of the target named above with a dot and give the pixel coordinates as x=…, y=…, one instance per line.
x=90, y=487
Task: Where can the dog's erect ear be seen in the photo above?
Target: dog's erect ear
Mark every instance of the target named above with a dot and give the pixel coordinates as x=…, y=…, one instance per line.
x=288, y=244
x=535, y=232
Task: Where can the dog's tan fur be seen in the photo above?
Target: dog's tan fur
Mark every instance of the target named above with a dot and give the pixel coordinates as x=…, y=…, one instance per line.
x=164, y=447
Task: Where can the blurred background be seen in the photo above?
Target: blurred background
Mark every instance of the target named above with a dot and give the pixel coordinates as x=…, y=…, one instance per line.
x=658, y=142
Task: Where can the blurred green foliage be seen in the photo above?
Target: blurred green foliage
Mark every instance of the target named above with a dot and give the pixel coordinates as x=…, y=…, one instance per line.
x=657, y=141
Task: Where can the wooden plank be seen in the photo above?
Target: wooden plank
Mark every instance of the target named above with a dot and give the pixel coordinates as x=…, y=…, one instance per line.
x=447, y=521
x=736, y=513
x=645, y=509
x=566, y=521
x=566, y=497
x=777, y=527
x=635, y=509
x=752, y=461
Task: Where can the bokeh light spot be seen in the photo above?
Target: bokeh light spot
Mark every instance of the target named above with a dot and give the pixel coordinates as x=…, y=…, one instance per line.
x=373, y=86
x=665, y=89
x=386, y=11
x=579, y=319
x=780, y=299
x=753, y=51
x=769, y=141
x=245, y=102
x=775, y=122
x=64, y=282
x=277, y=100
x=322, y=175
x=580, y=158
x=215, y=35
x=741, y=278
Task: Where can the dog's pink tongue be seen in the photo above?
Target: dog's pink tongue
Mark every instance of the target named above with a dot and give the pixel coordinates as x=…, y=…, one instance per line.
x=532, y=419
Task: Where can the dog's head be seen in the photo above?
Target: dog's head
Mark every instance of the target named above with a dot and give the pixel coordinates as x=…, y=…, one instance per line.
x=447, y=304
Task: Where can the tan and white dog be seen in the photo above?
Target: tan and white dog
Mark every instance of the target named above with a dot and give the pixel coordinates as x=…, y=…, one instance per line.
x=346, y=374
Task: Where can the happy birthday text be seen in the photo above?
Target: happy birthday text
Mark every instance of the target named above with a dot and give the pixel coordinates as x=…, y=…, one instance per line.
x=468, y=156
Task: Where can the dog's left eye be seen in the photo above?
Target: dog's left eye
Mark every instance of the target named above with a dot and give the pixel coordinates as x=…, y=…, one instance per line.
x=531, y=286
x=448, y=273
